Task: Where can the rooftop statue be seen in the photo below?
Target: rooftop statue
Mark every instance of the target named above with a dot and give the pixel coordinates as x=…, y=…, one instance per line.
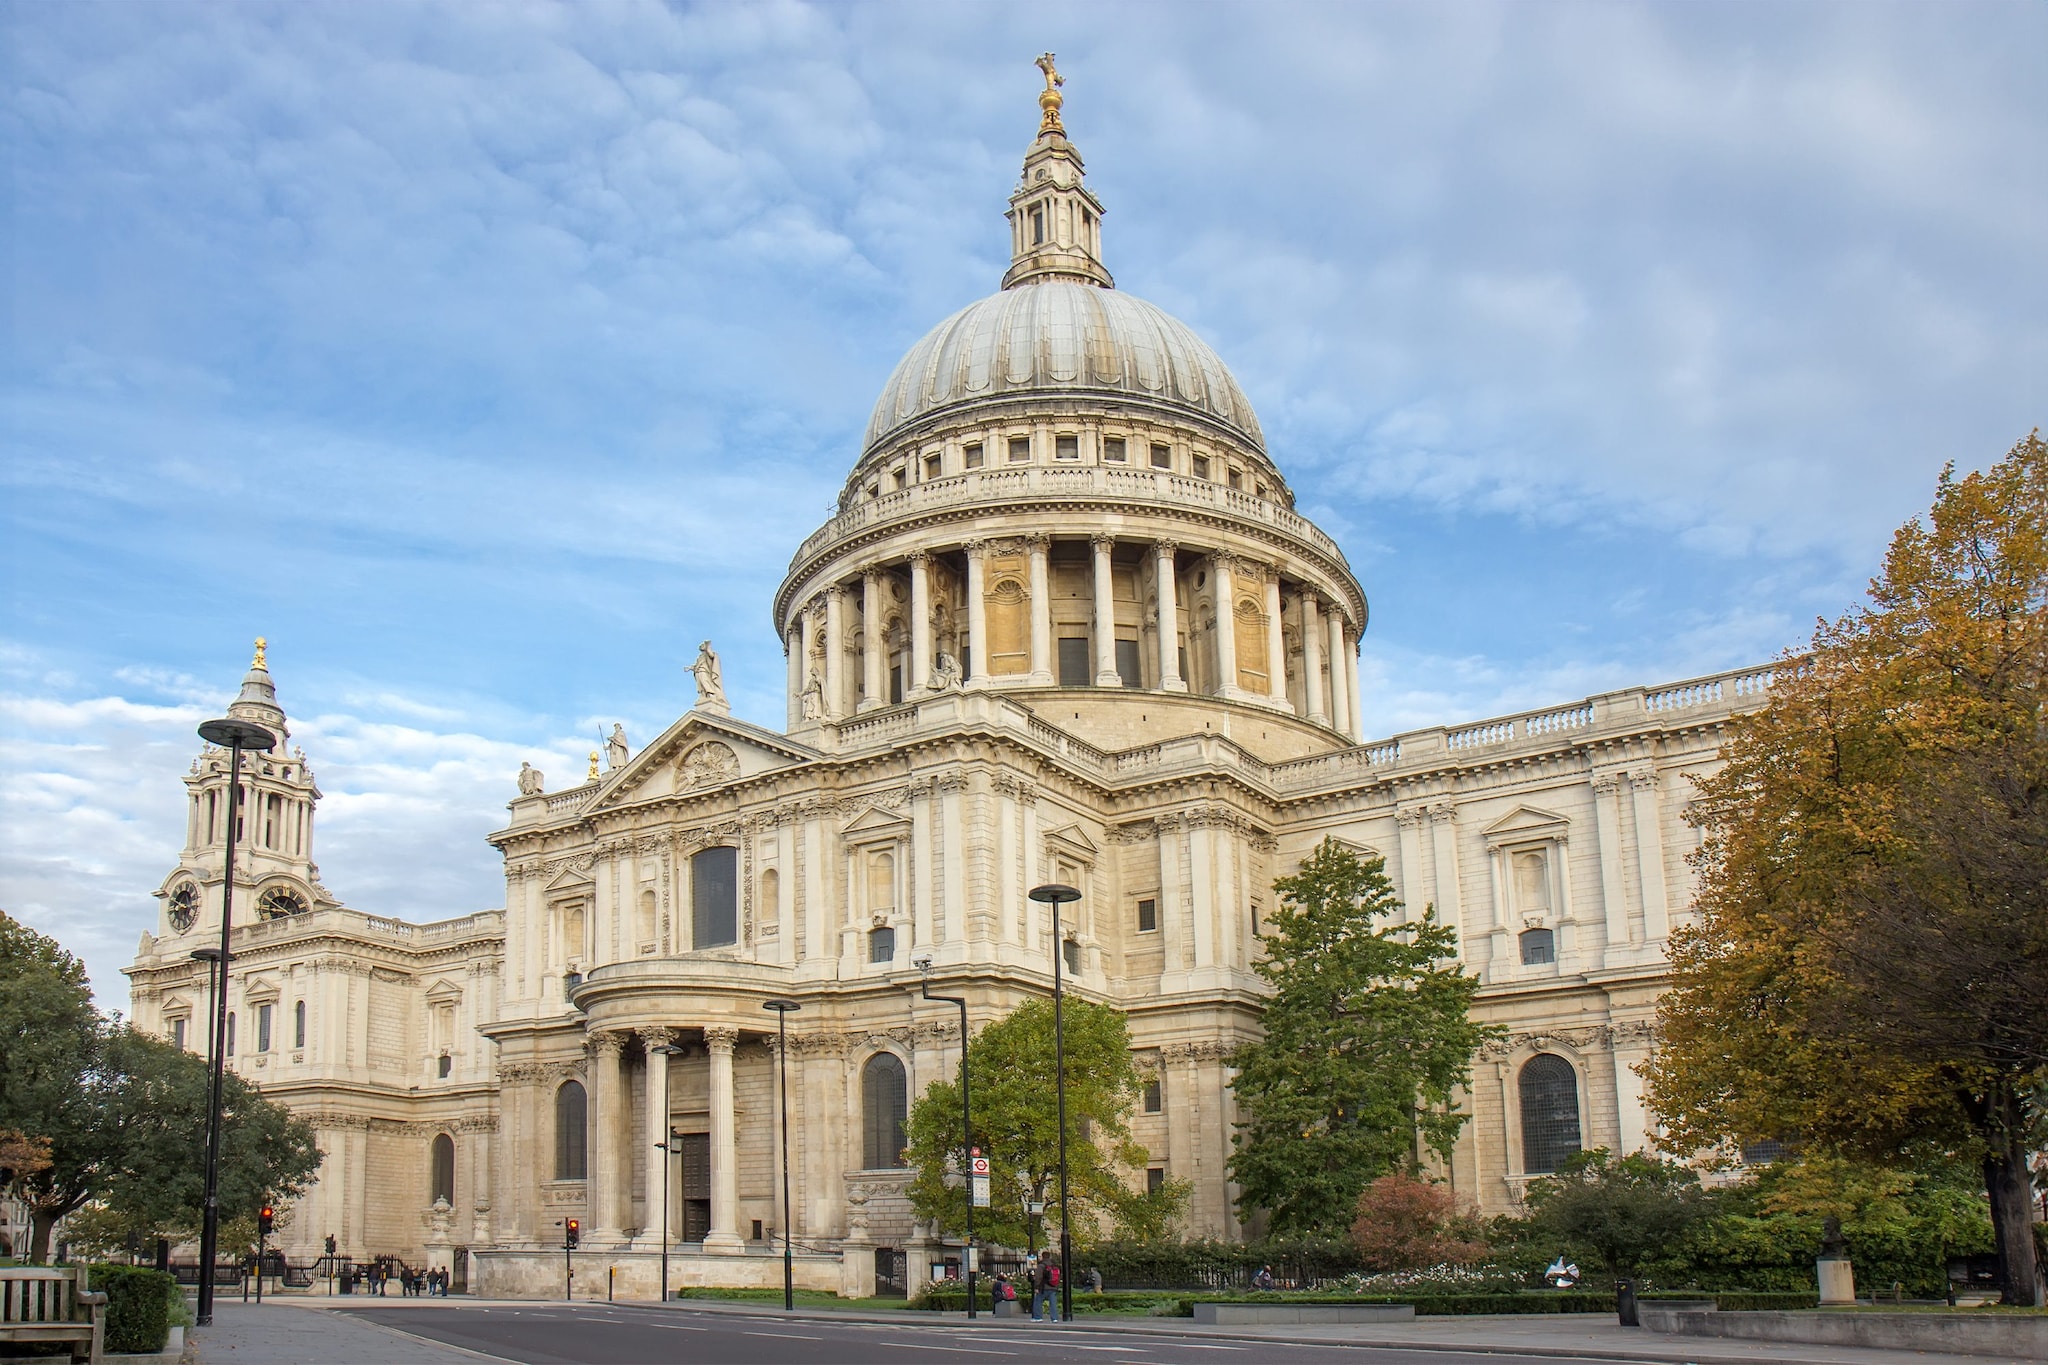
x=710, y=686
x=1050, y=98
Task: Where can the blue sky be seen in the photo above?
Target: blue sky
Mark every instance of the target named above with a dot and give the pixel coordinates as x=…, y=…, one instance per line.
x=487, y=357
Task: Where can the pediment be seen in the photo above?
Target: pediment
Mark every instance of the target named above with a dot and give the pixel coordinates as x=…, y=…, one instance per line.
x=1527, y=822
x=570, y=879
x=699, y=753
x=444, y=993
x=1074, y=840
x=260, y=989
x=875, y=822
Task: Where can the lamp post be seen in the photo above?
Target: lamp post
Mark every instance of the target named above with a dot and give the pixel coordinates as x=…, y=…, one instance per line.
x=783, y=1009
x=667, y=1147
x=1056, y=895
x=923, y=963
x=211, y=957
x=235, y=736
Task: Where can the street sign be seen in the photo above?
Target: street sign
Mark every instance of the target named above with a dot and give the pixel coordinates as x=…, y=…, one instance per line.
x=978, y=1166
x=977, y=1189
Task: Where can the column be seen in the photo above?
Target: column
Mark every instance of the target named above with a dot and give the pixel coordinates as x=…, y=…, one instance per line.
x=1632, y=1123
x=608, y=1176
x=1354, y=705
x=835, y=653
x=1226, y=625
x=725, y=1180
x=1413, y=896
x=654, y=1040
x=1276, y=643
x=1312, y=659
x=874, y=691
x=976, y=664
x=807, y=629
x=920, y=625
x=1443, y=821
x=1041, y=610
x=1650, y=856
x=793, y=654
x=1607, y=828
x=1340, y=703
x=1202, y=864
x=1105, y=615
x=1167, y=587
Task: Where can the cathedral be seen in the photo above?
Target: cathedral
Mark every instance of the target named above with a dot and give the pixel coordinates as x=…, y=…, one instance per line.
x=1065, y=626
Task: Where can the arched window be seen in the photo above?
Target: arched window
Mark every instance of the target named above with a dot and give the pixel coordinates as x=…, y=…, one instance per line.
x=571, y=1137
x=643, y=927
x=1550, y=1113
x=299, y=1024
x=1539, y=948
x=885, y=1095
x=714, y=897
x=444, y=1168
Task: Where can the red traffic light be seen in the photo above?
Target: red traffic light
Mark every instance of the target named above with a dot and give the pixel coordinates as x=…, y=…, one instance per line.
x=265, y=1216
x=572, y=1232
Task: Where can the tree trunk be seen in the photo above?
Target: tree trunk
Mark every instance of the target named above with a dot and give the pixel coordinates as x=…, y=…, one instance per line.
x=2012, y=1221
x=40, y=1221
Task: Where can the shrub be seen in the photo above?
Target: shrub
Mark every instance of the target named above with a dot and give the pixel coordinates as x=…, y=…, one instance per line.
x=1404, y=1223
x=138, y=1308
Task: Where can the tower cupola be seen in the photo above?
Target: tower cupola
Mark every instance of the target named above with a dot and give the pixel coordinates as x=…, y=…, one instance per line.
x=1055, y=222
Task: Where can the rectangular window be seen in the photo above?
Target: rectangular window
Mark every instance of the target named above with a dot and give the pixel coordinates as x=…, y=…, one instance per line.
x=1162, y=457
x=178, y=1034
x=882, y=945
x=1127, y=663
x=1155, y=1176
x=1148, y=916
x=1113, y=449
x=1236, y=478
x=263, y=1028
x=1538, y=948
x=1154, y=1097
x=757, y=1229
x=1066, y=448
x=1037, y=227
x=902, y=478
x=895, y=683
x=970, y=456
x=1255, y=921
x=966, y=662
x=934, y=465
x=299, y=1024
x=231, y=1033
x=1201, y=466
x=1020, y=449
x=1182, y=666
x=447, y=1065
x=714, y=897
x=1074, y=663
x=1072, y=951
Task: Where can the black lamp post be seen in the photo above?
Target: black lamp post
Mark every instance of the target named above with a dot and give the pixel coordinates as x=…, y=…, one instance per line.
x=211, y=957
x=1056, y=895
x=667, y=1148
x=234, y=736
x=924, y=966
x=783, y=1009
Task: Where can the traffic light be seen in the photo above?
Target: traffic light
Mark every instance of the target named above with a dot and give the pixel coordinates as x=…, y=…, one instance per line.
x=573, y=1233
x=330, y=1244
x=265, y=1217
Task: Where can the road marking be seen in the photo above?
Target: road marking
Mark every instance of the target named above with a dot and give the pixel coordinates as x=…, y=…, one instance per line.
x=963, y=1350
x=793, y=1336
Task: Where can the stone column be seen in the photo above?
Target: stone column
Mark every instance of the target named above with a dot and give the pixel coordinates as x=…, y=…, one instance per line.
x=1276, y=643
x=1354, y=712
x=609, y=1176
x=1041, y=610
x=1607, y=828
x=835, y=653
x=1444, y=824
x=654, y=1040
x=1105, y=614
x=1226, y=624
x=793, y=685
x=725, y=1177
x=977, y=617
x=873, y=689
x=1170, y=679
x=1650, y=856
x=1340, y=704
x=920, y=625
x=1312, y=659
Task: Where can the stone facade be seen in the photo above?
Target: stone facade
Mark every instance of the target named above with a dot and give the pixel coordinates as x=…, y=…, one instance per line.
x=1065, y=626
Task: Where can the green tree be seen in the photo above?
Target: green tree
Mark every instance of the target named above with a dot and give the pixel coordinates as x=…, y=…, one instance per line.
x=1868, y=972
x=1016, y=1125
x=125, y=1113
x=1368, y=1030
x=1619, y=1214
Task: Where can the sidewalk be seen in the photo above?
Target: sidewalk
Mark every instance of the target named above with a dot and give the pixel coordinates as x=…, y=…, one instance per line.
x=319, y=1339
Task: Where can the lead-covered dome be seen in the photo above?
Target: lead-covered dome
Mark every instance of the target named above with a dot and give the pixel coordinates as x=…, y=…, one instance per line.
x=1061, y=336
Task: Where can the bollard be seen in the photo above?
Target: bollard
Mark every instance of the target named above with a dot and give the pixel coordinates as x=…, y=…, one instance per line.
x=1625, y=1303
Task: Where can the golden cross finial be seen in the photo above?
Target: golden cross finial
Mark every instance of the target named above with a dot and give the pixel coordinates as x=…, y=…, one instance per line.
x=1050, y=99
x=261, y=645
x=593, y=767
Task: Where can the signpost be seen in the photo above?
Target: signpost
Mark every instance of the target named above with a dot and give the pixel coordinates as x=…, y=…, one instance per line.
x=977, y=1179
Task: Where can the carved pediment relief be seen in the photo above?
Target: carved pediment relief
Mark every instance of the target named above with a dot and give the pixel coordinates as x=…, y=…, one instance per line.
x=444, y=993
x=1526, y=824
x=570, y=881
x=709, y=763
x=875, y=823
x=699, y=753
x=1074, y=842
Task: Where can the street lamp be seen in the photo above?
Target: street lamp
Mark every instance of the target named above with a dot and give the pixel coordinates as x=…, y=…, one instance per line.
x=923, y=963
x=235, y=736
x=1056, y=895
x=211, y=957
x=783, y=1009
x=667, y=1147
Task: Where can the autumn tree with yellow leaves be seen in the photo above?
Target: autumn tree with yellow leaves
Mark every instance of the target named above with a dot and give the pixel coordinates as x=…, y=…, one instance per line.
x=1869, y=973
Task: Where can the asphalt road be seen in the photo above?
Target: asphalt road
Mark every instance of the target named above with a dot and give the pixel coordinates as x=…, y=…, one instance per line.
x=602, y=1335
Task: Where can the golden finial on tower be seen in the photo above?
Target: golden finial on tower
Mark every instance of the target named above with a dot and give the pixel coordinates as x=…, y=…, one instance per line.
x=593, y=767
x=1050, y=99
x=261, y=645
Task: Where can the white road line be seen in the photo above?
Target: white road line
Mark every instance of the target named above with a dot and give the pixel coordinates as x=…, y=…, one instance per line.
x=963, y=1350
x=792, y=1336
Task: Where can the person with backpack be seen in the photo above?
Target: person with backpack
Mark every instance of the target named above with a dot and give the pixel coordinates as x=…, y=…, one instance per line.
x=1045, y=1286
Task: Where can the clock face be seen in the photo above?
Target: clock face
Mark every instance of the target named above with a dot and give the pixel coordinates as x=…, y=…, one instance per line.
x=184, y=907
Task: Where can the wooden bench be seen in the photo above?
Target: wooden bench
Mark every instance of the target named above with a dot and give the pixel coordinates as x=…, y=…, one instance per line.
x=40, y=1303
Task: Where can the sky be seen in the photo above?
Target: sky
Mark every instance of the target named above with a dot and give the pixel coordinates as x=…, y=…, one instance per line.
x=485, y=357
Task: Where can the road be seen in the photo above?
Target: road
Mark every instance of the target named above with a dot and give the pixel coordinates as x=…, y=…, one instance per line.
x=604, y=1335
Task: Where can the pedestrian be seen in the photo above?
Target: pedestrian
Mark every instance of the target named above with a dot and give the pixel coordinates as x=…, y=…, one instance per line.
x=1045, y=1286
x=1094, y=1280
x=1263, y=1281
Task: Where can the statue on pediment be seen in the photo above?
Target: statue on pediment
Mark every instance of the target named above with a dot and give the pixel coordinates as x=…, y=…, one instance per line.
x=531, y=781
x=710, y=683
x=616, y=749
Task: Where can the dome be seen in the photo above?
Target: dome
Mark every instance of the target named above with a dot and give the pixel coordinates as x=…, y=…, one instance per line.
x=1061, y=336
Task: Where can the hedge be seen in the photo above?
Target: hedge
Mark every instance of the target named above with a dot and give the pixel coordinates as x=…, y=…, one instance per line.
x=1740, y=1301
x=138, y=1306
